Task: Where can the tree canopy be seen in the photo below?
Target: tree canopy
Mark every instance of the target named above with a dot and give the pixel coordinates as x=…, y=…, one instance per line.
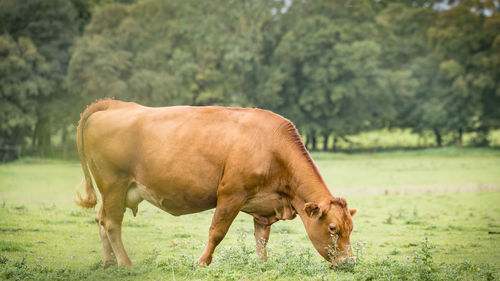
x=335, y=68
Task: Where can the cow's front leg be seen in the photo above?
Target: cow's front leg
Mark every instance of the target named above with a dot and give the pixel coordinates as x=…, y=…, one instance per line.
x=261, y=233
x=227, y=208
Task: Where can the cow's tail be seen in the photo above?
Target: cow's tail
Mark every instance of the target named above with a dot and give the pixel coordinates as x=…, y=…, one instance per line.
x=89, y=199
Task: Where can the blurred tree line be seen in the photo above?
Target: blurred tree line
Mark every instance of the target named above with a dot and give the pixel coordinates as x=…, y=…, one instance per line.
x=335, y=68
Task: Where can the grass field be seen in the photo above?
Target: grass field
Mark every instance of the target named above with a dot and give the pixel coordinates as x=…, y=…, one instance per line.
x=423, y=215
x=404, y=138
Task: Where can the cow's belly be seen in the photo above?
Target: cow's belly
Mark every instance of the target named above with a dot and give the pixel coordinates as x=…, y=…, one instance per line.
x=176, y=201
x=177, y=181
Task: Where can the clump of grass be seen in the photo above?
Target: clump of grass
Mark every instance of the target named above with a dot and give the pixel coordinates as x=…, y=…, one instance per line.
x=182, y=235
x=388, y=220
x=9, y=246
x=79, y=213
x=20, y=208
x=52, y=207
x=394, y=252
x=282, y=229
x=132, y=223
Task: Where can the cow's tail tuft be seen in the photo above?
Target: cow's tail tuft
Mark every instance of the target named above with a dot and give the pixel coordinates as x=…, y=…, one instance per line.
x=89, y=199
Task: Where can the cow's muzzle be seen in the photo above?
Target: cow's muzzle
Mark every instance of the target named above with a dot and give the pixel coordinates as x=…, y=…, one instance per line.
x=343, y=260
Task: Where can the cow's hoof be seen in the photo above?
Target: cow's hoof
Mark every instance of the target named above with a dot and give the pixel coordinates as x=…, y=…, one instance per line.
x=203, y=263
x=125, y=264
x=109, y=263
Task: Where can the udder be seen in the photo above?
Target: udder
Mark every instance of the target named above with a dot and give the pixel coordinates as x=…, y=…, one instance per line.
x=136, y=194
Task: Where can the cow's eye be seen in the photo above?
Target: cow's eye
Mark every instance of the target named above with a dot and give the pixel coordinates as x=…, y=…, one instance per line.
x=332, y=228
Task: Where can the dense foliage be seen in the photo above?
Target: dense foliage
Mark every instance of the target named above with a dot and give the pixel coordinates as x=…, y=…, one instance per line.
x=335, y=68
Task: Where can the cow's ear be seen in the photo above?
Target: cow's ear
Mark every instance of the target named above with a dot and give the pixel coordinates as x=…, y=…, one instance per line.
x=312, y=209
x=353, y=211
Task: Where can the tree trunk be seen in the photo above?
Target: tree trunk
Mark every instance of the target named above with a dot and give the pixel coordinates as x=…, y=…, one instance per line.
x=335, y=140
x=459, y=139
x=64, y=139
x=314, y=142
x=439, y=139
x=325, y=141
x=308, y=141
x=41, y=137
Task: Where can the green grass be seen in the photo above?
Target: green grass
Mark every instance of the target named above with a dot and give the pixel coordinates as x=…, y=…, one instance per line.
x=404, y=138
x=451, y=197
x=446, y=169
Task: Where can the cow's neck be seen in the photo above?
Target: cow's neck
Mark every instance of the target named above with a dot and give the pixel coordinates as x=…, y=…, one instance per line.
x=304, y=181
x=307, y=185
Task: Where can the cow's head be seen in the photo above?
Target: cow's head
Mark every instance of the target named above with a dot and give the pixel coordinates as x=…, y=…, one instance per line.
x=329, y=226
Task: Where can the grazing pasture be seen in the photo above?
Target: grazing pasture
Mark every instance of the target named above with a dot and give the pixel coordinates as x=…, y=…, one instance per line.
x=423, y=215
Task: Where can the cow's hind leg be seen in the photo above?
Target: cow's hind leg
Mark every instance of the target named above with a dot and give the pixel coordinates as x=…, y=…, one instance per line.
x=228, y=206
x=113, y=203
x=261, y=233
x=106, y=245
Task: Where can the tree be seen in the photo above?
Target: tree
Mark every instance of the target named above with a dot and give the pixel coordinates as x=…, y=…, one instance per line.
x=458, y=39
x=487, y=79
x=23, y=82
x=51, y=25
x=427, y=109
x=413, y=69
x=328, y=67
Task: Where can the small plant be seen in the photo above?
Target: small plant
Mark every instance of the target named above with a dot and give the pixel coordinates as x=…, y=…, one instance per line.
x=153, y=256
x=334, y=252
x=3, y=259
x=358, y=250
x=97, y=265
x=394, y=252
x=388, y=220
x=20, y=264
x=423, y=260
x=78, y=213
x=415, y=212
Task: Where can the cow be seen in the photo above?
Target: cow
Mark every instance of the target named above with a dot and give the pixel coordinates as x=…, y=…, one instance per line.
x=188, y=159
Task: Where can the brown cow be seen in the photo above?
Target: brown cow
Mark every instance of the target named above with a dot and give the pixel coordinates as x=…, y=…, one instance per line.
x=187, y=159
